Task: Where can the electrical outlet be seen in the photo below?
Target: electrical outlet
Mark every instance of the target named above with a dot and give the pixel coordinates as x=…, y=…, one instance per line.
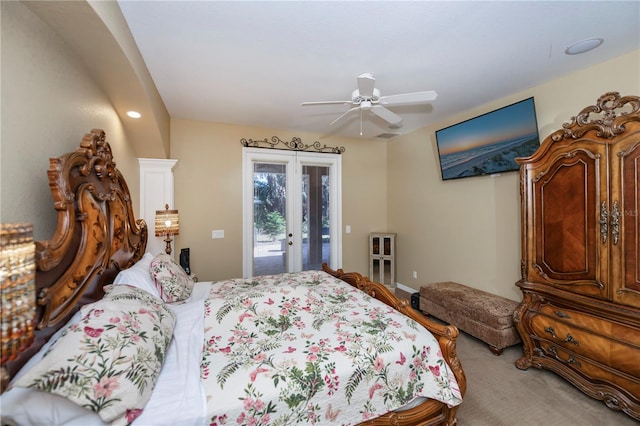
x=217, y=233
x=415, y=275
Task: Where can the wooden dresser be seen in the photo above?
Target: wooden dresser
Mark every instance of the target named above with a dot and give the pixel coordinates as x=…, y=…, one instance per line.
x=580, y=313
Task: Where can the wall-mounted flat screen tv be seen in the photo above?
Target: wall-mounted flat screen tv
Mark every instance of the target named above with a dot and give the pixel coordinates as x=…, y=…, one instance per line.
x=489, y=143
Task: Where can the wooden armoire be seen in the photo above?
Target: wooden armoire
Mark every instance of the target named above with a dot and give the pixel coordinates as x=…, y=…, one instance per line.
x=580, y=313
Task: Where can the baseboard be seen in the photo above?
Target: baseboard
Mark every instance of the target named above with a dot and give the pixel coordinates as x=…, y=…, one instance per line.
x=403, y=287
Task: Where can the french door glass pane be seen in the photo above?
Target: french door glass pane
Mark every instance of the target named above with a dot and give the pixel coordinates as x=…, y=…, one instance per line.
x=269, y=219
x=316, y=243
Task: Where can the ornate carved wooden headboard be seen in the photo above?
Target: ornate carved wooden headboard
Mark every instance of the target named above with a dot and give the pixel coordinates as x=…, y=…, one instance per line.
x=96, y=236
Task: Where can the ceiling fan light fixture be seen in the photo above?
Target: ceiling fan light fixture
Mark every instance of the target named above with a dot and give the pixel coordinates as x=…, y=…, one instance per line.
x=583, y=46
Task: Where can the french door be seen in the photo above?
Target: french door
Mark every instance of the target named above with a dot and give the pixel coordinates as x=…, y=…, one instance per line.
x=291, y=213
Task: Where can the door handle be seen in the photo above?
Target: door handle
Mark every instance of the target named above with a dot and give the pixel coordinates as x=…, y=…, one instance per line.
x=615, y=222
x=604, y=222
x=613, y=219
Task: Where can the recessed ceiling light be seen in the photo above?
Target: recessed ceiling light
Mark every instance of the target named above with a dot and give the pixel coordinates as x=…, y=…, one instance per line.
x=134, y=114
x=584, y=46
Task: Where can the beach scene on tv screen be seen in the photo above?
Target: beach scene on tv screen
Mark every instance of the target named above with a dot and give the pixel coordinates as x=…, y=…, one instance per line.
x=490, y=143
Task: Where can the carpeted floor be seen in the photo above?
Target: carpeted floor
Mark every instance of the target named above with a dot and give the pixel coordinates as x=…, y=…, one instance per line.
x=498, y=394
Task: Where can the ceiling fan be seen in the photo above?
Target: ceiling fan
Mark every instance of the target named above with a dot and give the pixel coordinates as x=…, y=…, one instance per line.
x=366, y=98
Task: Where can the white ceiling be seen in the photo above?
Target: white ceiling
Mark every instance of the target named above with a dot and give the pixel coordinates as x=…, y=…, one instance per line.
x=253, y=63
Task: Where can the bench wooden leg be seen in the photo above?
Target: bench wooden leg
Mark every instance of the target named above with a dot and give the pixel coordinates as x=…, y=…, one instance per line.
x=495, y=351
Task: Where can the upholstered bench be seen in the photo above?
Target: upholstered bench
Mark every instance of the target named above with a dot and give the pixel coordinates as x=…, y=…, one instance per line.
x=485, y=316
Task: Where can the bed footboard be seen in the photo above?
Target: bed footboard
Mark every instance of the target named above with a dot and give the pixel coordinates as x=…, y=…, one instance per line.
x=430, y=412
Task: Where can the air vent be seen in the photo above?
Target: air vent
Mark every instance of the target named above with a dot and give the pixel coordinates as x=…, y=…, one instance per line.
x=387, y=135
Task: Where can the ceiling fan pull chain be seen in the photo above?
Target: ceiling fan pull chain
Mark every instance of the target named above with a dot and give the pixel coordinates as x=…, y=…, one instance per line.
x=360, y=122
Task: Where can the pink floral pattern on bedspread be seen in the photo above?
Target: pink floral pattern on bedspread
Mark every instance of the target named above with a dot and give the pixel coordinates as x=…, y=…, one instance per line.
x=309, y=348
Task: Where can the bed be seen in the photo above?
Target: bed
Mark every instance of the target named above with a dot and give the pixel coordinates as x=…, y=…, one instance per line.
x=125, y=337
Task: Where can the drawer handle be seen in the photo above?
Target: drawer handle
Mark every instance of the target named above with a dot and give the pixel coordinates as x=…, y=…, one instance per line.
x=571, y=360
x=568, y=339
x=571, y=339
x=561, y=314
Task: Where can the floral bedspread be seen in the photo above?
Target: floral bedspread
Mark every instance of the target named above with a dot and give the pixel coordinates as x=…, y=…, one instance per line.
x=309, y=348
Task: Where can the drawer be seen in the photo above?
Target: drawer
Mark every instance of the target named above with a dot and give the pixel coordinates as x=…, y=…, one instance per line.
x=601, y=345
x=598, y=325
x=591, y=371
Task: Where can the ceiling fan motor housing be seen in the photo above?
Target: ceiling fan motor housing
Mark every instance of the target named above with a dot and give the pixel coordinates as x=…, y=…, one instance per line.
x=356, y=98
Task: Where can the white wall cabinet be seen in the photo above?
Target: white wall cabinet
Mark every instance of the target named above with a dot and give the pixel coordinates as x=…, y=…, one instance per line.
x=382, y=248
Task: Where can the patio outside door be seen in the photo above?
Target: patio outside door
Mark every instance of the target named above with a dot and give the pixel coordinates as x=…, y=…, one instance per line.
x=291, y=219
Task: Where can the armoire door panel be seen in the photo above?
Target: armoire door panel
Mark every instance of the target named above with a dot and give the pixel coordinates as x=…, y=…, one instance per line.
x=566, y=229
x=627, y=274
x=565, y=215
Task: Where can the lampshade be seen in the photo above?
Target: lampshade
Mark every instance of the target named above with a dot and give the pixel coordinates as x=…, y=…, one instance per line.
x=167, y=222
x=167, y=225
x=17, y=285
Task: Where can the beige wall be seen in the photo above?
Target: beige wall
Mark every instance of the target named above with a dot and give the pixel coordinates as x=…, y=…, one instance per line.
x=49, y=101
x=208, y=193
x=468, y=230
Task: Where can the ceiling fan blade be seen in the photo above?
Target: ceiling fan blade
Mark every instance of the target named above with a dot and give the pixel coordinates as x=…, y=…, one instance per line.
x=344, y=115
x=389, y=116
x=366, y=83
x=408, y=98
x=326, y=103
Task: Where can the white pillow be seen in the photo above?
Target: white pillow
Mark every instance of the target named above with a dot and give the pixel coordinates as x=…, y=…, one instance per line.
x=50, y=409
x=138, y=276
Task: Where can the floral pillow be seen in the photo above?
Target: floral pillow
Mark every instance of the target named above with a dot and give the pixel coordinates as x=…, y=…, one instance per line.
x=171, y=280
x=108, y=362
